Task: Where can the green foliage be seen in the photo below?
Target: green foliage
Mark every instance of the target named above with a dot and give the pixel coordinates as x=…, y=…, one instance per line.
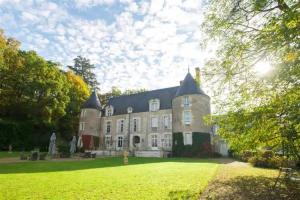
x=104, y=97
x=256, y=111
x=83, y=68
x=200, y=147
x=36, y=98
x=24, y=135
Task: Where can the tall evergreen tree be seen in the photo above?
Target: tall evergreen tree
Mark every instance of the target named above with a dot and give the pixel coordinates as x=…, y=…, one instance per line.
x=84, y=68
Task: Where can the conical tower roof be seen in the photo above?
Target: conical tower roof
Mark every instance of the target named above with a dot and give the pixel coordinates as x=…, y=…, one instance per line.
x=188, y=86
x=92, y=102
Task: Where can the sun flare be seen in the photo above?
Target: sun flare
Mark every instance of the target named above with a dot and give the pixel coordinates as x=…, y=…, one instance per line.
x=263, y=67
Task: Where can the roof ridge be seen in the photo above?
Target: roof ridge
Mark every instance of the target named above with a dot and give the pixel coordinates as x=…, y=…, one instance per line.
x=142, y=92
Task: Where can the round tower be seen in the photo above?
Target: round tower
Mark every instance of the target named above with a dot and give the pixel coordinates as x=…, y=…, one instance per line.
x=89, y=123
x=189, y=108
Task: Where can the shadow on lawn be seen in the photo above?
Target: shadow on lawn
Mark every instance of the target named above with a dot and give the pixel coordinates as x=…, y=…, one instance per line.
x=54, y=166
x=251, y=187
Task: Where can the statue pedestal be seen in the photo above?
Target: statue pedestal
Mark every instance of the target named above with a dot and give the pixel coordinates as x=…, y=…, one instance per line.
x=125, y=154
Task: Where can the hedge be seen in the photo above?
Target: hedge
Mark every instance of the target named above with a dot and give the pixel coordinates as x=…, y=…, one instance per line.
x=200, y=147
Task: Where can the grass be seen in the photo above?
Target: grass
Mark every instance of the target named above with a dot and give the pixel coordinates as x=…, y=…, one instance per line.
x=241, y=182
x=107, y=178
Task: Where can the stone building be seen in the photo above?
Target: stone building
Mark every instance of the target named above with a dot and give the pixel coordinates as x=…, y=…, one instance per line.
x=145, y=123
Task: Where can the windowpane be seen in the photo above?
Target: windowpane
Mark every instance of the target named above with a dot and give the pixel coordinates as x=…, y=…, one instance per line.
x=107, y=141
x=154, y=122
x=120, y=141
x=168, y=140
x=166, y=121
x=135, y=125
x=108, y=127
x=121, y=126
x=186, y=101
x=188, y=139
x=187, y=117
x=154, y=140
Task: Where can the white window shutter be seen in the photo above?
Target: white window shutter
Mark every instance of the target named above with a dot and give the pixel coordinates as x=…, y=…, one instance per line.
x=139, y=124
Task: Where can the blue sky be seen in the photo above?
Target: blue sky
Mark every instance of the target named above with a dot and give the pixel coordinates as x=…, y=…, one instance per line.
x=134, y=44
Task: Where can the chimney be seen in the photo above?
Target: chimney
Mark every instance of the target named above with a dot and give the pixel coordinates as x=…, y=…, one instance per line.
x=198, y=79
x=181, y=82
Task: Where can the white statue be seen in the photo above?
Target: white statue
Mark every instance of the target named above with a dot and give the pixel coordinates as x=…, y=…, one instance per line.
x=52, y=146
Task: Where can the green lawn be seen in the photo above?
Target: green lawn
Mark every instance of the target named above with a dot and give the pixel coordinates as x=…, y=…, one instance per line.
x=106, y=178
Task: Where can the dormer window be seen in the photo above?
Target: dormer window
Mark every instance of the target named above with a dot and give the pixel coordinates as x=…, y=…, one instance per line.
x=109, y=111
x=129, y=110
x=154, y=105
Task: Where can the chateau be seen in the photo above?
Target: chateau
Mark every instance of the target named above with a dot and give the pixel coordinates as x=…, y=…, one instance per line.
x=145, y=123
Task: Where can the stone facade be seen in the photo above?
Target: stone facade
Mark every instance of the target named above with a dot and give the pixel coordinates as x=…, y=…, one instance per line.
x=144, y=123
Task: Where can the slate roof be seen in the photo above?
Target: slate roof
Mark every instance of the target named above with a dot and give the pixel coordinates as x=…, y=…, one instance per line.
x=189, y=86
x=92, y=102
x=140, y=102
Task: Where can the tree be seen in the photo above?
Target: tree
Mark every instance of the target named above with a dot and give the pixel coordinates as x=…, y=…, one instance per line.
x=117, y=92
x=36, y=98
x=84, y=68
x=78, y=93
x=255, y=111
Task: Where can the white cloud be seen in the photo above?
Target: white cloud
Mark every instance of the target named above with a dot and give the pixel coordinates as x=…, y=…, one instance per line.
x=150, y=51
x=90, y=3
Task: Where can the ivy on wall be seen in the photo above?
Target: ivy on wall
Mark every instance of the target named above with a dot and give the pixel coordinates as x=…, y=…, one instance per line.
x=200, y=147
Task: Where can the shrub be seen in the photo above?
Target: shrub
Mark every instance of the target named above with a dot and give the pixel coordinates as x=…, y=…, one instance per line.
x=216, y=155
x=266, y=160
x=267, y=154
x=246, y=155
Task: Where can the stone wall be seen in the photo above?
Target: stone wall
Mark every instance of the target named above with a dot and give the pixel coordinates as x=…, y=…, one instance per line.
x=144, y=129
x=91, y=120
x=200, y=107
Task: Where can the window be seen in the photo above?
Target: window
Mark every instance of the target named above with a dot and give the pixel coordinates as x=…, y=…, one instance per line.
x=153, y=140
x=83, y=113
x=120, y=142
x=121, y=126
x=135, y=121
x=188, y=139
x=129, y=110
x=81, y=126
x=108, y=127
x=109, y=111
x=186, y=101
x=154, y=105
x=167, y=140
x=166, y=122
x=154, y=122
x=187, y=117
x=107, y=141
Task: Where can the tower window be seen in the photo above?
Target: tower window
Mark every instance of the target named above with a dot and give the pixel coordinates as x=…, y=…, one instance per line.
x=186, y=101
x=81, y=126
x=187, y=117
